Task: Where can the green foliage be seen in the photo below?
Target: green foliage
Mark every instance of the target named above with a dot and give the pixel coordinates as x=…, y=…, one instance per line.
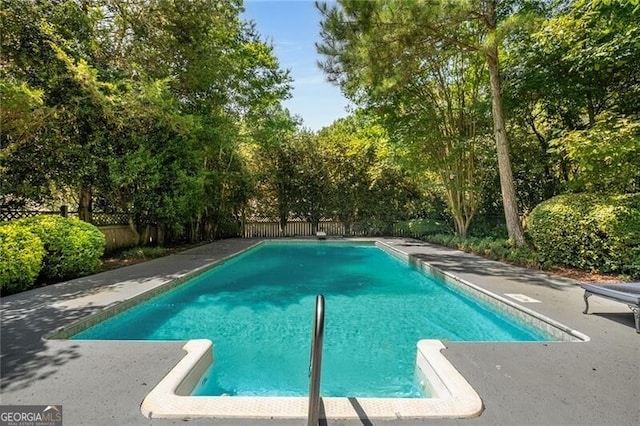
x=419, y=228
x=579, y=62
x=310, y=179
x=599, y=233
x=572, y=87
x=492, y=248
x=171, y=111
x=21, y=255
x=604, y=157
x=488, y=227
x=345, y=172
x=145, y=106
x=73, y=248
x=144, y=253
x=424, y=67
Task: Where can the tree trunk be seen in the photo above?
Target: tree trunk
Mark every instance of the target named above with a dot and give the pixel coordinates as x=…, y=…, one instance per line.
x=134, y=229
x=283, y=220
x=509, y=200
x=145, y=236
x=85, y=204
x=461, y=216
x=461, y=226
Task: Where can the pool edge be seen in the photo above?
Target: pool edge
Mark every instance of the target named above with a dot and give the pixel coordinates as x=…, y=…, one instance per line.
x=108, y=311
x=548, y=325
x=454, y=396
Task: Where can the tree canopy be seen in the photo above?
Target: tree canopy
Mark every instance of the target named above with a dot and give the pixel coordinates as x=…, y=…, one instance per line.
x=140, y=107
x=472, y=111
x=554, y=83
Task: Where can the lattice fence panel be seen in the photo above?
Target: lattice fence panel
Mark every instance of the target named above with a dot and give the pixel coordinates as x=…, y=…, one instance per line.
x=98, y=219
x=7, y=215
x=104, y=219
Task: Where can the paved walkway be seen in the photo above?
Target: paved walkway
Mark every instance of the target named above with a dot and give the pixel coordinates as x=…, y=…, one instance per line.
x=103, y=383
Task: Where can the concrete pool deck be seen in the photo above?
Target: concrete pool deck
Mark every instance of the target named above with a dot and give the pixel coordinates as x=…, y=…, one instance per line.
x=104, y=383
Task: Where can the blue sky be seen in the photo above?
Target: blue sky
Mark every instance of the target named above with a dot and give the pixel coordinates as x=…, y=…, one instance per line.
x=292, y=27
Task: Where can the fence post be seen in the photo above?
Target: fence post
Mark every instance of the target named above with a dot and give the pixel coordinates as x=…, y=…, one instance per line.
x=64, y=211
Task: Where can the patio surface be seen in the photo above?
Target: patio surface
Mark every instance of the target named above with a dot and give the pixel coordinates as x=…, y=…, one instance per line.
x=104, y=383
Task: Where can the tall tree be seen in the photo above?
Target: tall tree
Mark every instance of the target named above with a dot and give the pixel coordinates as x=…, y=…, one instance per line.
x=145, y=105
x=573, y=80
x=355, y=42
x=52, y=48
x=438, y=114
x=272, y=134
x=311, y=179
x=351, y=147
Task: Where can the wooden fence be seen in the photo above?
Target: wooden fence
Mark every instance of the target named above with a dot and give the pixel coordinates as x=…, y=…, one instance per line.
x=253, y=228
x=298, y=228
x=7, y=215
x=271, y=229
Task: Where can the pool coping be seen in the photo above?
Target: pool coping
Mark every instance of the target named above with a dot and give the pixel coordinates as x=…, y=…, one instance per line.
x=548, y=325
x=452, y=396
x=66, y=331
x=544, y=323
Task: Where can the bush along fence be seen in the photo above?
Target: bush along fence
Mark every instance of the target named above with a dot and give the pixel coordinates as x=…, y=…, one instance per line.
x=49, y=248
x=114, y=226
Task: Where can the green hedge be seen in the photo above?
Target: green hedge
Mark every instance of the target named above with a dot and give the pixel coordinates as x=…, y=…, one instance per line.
x=21, y=254
x=594, y=232
x=73, y=247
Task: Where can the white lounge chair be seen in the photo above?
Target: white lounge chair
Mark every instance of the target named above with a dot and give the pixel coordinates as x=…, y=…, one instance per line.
x=625, y=293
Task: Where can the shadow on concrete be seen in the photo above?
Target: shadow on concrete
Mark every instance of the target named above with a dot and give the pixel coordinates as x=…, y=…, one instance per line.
x=26, y=317
x=322, y=416
x=619, y=317
x=26, y=356
x=457, y=263
x=361, y=413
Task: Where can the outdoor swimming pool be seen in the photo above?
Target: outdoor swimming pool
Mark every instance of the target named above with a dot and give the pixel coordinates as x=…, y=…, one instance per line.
x=257, y=309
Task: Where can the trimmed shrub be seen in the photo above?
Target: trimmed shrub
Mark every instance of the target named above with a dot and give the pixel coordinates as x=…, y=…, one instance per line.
x=73, y=247
x=594, y=232
x=21, y=254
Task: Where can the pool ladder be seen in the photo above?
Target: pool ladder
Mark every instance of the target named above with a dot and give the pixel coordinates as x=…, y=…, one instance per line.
x=315, y=363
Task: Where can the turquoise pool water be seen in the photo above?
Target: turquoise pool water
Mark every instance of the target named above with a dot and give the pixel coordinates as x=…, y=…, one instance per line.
x=258, y=308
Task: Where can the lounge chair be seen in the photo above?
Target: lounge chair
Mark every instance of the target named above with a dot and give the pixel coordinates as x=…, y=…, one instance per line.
x=625, y=293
